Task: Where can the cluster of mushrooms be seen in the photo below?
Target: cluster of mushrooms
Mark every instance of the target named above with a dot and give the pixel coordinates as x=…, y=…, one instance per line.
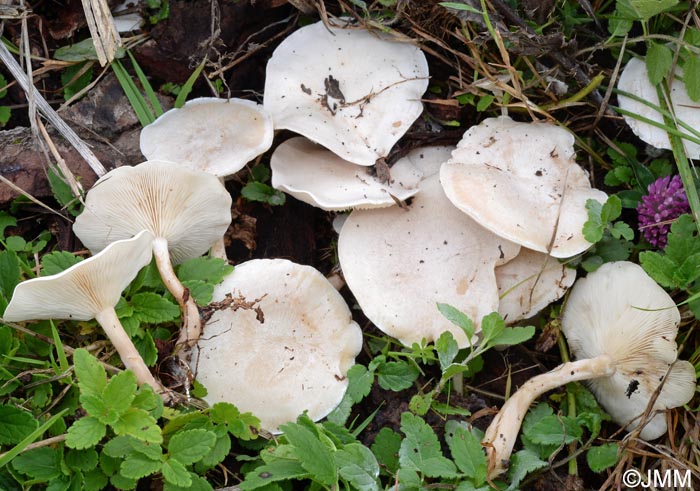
x=484, y=229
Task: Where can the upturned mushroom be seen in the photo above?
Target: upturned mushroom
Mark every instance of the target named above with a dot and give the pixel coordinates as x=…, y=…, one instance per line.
x=635, y=80
x=218, y=136
x=185, y=210
x=90, y=290
x=292, y=352
x=317, y=176
x=621, y=327
x=353, y=91
x=534, y=197
x=399, y=263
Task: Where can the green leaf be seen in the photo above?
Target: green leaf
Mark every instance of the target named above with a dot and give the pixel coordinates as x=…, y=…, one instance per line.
x=420, y=450
x=358, y=466
x=16, y=424
x=85, y=433
x=466, y=451
x=359, y=382
x=137, y=465
x=208, y=269
x=602, y=457
x=420, y=404
x=386, y=447
x=74, y=79
x=278, y=470
x=510, y=336
x=198, y=484
x=94, y=480
x=643, y=10
x=447, y=349
x=521, y=464
x=147, y=399
x=120, y=392
x=9, y=273
x=82, y=51
x=492, y=327
x=594, y=227
x=118, y=447
x=57, y=262
x=190, y=446
x=5, y=113
x=40, y=463
x=554, y=430
x=122, y=482
x=15, y=243
x=92, y=377
x=95, y=406
x=3, y=91
x=199, y=290
x=458, y=318
x=396, y=375
x=151, y=308
x=691, y=77
x=313, y=455
x=460, y=6
x=622, y=230
x=220, y=450
x=257, y=191
x=658, y=61
x=611, y=209
x=81, y=460
x=139, y=424
x=260, y=173
x=175, y=473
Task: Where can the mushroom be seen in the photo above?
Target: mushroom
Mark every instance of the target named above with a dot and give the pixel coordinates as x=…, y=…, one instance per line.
x=399, y=263
x=218, y=136
x=289, y=355
x=635, y=80
x=353, y=91
x=90, y=290
x=529, y=283
x=621, y=326
x=185, y=210
x=535, y=198
x=320, y=178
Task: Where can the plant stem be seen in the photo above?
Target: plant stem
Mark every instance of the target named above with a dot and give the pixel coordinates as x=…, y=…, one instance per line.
x=191, y=321
x=571, y=403
x=501, y=434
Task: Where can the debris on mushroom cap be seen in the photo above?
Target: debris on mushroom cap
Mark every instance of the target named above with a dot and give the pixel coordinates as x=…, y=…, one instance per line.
x=320, y=178
x=399, y=264
x=529, y=283
x=291, y=357
x=620, y=311
x=635, y=80
x=353, y=91
x=520, y=181
x=86, y=288
x=191, y=209
x=218, y=136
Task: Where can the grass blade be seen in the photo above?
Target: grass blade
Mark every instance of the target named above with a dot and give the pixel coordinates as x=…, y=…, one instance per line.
x=136, y=99
x=187, y=87
x=150, y=93
x=17, y=449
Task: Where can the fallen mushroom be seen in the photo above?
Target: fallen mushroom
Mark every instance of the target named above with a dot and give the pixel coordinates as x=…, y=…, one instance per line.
x=535, y=198
x=90, y=290
x=353, y=91
x=529, y=283
x=621, y=326
x=635, y=80
x=292, y=352
x=186, y=211
x=399, y=263
x=320, y=178
x=218, y=136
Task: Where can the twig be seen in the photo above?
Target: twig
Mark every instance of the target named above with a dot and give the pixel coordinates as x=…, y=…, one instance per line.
x=45, y=109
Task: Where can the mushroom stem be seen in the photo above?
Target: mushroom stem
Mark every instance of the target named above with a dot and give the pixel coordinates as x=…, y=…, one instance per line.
x=191, y=322
x=218, y=250
x=127, y=351
x=501, y=434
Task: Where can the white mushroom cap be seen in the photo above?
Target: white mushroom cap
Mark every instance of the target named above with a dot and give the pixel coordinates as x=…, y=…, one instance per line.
x=191, y=209
x=353, y=91
x=320, y=178
x=428, y=160
x=85, y=289
x=294, y=361
x=620, y=311
x=399, y=263
x=529, y=283
x=635, y=80
x=213, y=135
x=524, y=196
